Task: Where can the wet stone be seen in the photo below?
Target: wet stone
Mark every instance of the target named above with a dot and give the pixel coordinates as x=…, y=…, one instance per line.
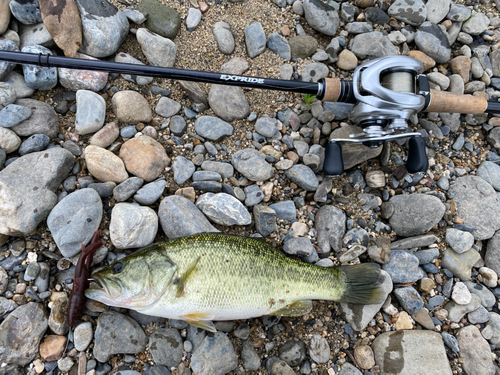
x=36, y=77
x=293, y=352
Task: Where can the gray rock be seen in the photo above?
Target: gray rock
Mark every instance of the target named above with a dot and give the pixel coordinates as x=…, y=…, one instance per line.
x=415, y=214
x=474, y=196
x=427, y=256
x=37, y=77
x=330, y=224
x=150, y=193
x=349, y=369
x=6, y=307
x=432, y=128
x=431, y=40
x=409, y=347
x=37, y=142
x=104, y=27
x=179, y=217
x=409, y=299
x=359, y=27
x=127, y=188
x=158, y=50
x=165, y=345
x=358, y=316
x=90, y=113
x=117, y=334
x=226, y=170
x=285, y=210
x=292, y=352
x=249, y=357
x=178, y=125
x=458, y=12
x=493, y=326
x=458, y=240
x=35, y=35
x=212, y=128
x=135, y=16
x=43, y=119
x=42, y=280
x=411, y=12
x=28, y=190
x=252, y=164
x=253, y=195
x=476, y=24
x=26, y=12
x=475, y=352
x=132, y=226
x=437, y=10
x=255, y=39
x=13, y=114
x=490, y=172
x=126, y=58
x=352, y=154
x=167, y=107
x=193, y=19
x=7, y=67
x=299, y=246
x=403, y=267
x=460, y=264
x=228, y=102
x=485, y=295
x=162, y=19
x=195, y=336
x=265, y=219
x=479, y=316
x=321, y=17
x=215, y=355
x=223, y=209
x=457, y=312
x=224, y=37
x=279, y=46
x=492, y=256
x=74, y=220
x=450, y=341
x=183, y=169
x=83, y=335
x=267, y=126
x=21, y=332
x=314, y=72
x=303, y=176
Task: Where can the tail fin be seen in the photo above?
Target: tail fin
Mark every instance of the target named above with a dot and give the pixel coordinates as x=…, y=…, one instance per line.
x=362, y=284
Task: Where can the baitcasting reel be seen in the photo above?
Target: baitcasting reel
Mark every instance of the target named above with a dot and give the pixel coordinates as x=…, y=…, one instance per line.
x=388, y=91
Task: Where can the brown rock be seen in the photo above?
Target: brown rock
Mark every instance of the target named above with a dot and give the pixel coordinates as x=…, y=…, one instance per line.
x=375, y=179
x=144, y=157
x=422, y=317
x=203, y=6
x=107, y=135
x=302, y=46
x=428, y=62
x=426, y=285
x=187, y=192
x=494, y=121
x=403, y=321
x=364, y=356
x=285, y=31
x=52, y=348
x=104, y=165
x=364, y=3
x=461, y=65
x=62, y=20
x=292, y=156
x=271, y=151
x=347, y=60
x=194, y=92
x=131, y=107
x=4, y=15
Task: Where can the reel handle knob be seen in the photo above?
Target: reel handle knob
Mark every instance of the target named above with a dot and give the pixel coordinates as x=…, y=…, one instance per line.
x=334, y=164
x=417, y=159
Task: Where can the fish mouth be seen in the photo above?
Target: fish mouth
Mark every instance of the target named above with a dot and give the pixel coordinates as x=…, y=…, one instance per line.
x=103, y=286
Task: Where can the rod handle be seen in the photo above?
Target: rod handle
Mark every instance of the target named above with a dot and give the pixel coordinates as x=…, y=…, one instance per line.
x=417, y=159
x=332, y=89
x=444, y=101
x=334, y=164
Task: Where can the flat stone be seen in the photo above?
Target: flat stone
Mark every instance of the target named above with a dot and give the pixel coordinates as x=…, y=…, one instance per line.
x=437, y=10
x=490, y=172
x=459, y=241
x=150, y=193
x=302, y=46
x=255, y=39
x=212, y=128
x=162, y=19
x=132, y=226
x=215, y=355
x=83, y=336
x=303, y=176
x=90, y=113
x=106, y=136
x=52, y=347
x=352, y=154
x=372, y=45
x=456, y=312
x=224, y=37
x=226, y=170
x=411, y=12
x=43, y=119
x=475, y=352
x=252, y=164
x=130, y=107
x=228, y=102
x=165, y=345
x=431, y=40
x=159, y=51
x=265, y=219
x=460, y=264
x=13, y=114
x=321, y=17
x=183, y=169
x=279, y=45
x=397, y=352
x=223, y=209
x=77, y=79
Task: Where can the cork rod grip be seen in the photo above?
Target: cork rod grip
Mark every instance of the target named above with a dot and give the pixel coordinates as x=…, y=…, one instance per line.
x=332, y=89
x=442, y=101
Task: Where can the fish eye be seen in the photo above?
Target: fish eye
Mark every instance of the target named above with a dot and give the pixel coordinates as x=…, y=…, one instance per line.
x=117, y=267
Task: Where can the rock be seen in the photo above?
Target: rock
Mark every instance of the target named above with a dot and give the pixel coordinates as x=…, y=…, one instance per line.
x=364, y=357
x=212, y=128
x=215, y=355
x=491, y=258
x=473, y=197
x=314, y=72
x=330, y=225
x=490, y=172
x=431, y=40
x=279, y=45
x=162, y=19
x=151, y=192
x=179, y=217
x=302, y=46
x=411, y=12
x=265, y=219
x=267, y=126
x=397, y=352
x=474, y=351
x=106, y=136
x=249, y=357
x=4, y=16
x=226, y=170
x=358, y=316
x=36, y=142
x=319, y=349
x=303, y=176
x=458, y=12
x=321, y=17
x=28, y=186
x=456, y=312
x=224, y=37
x=293, y=352
x=459, y=241
x=228, y=102
x=104, y=27
x=13, y=114
x=35, y=36
x=409, y=299
x=74, y=220
x=372, y=45
x=165, y=345
x=415, y=214
x=461, y=65
x=437, y=10
x=130, y=107
x=193, y=19
x=76, y=79
x=127, y=188
x=26, y=12
x=90, y=113
x=255, y=39
x=7, y=67
x=83, y=336
x=352, y=154
x=52, y=347
x=285, y=210
x=9, y=141
x=132, y=226
x=347, y=60
x=139, y=80
x=489, y=277
x=167, y=107
x=223, y=209
x=144, y=157
x=461, y=294
x=104, y=165
x=183, y=169
x=476, y=25
x=58, y=319
x=43, y=119
x=460, y=264
x=253, y=195
x=299, y=246
x=159, y=51
x=252, y=164
x=21, y=332
x=117, y=334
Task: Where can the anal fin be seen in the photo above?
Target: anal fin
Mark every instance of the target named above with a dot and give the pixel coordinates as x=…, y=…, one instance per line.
x=200, y=320
x=182, y=280
x=296, y=308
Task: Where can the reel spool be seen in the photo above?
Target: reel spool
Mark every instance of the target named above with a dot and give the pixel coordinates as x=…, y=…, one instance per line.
x=388, y=91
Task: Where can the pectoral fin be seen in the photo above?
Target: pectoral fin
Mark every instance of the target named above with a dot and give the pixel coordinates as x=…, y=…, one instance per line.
x=200, y=320
x=182, y=280
x=296, y=308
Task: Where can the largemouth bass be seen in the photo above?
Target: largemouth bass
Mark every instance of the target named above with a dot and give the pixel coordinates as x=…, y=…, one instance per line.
x=215, y=276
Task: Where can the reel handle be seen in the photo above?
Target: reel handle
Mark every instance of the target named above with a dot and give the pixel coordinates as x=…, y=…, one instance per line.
x=334, y=164
x=417, y=159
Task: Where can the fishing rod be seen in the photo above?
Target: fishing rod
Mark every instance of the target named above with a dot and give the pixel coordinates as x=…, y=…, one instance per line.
x=385, y=92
